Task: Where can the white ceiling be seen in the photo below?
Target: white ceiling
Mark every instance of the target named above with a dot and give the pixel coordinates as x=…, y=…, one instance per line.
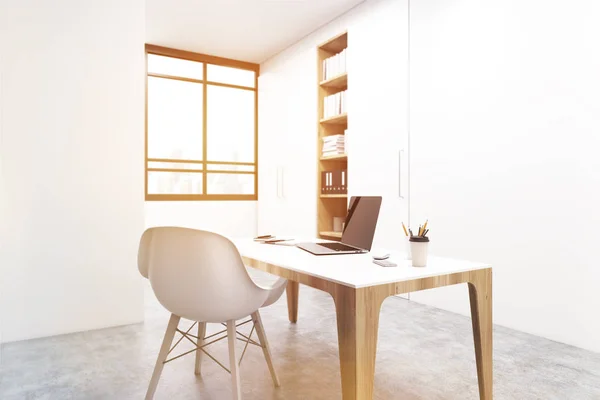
x=248, y=30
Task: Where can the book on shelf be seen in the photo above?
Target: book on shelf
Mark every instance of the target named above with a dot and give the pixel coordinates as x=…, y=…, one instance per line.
x=334, y=138
x=339, y=149
x=335, y=104
x=333, y=145
x=334, y=65
x=333, y=153
x=336, y=149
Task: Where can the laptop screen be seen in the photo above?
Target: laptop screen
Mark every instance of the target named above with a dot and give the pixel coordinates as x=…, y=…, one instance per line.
x=361, y=221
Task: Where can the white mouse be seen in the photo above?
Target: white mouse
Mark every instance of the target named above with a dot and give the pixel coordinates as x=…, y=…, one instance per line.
x=380, y=256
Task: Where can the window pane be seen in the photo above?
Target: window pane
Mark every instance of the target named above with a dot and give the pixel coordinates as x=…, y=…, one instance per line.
x=174, y=183
x=233, y=76
x=226, y=167
x=175, y=165
x=174, y=67
x=230, y=183
x=230, y=135
x=174, y=119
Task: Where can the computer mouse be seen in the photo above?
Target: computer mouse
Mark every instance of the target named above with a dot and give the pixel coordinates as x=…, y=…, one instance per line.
x=380, y=256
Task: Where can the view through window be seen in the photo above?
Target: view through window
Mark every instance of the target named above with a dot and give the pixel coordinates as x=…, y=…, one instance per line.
x=201, y=127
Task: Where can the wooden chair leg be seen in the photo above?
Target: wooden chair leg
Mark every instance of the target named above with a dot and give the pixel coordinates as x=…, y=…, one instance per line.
x=262, y=337
x=162, y=355
x=200, y=342
x=233, y=363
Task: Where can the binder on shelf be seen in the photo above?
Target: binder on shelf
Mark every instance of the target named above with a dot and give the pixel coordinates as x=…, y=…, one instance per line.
x=325, y=182
x=334, y=182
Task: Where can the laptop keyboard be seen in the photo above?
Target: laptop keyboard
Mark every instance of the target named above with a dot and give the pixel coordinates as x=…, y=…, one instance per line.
x=338, y=246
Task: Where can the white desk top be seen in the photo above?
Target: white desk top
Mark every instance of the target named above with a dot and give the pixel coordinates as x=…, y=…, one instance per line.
x=354, y=270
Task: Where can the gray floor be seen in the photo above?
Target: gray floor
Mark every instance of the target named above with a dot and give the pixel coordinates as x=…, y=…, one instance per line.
x=423, y=353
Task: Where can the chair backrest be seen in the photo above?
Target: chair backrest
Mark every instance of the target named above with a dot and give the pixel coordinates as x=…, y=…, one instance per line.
x=198, y=275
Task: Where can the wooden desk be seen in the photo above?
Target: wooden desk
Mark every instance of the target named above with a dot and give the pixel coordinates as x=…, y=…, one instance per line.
x=359, y=287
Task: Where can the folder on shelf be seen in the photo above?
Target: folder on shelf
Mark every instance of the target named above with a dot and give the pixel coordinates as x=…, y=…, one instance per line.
x=325, y=185
x=334, y=182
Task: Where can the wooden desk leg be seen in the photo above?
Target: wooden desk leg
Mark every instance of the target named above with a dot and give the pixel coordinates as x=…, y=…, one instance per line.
x=480, y=295
x=358, y=323
x=292, y=290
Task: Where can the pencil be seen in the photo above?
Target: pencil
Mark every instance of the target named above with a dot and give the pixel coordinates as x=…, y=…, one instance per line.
x=404, y=227
x=420, y=230
x=425, y=226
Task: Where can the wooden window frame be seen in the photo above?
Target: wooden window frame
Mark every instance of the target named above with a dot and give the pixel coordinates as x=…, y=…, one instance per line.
x=205, y=59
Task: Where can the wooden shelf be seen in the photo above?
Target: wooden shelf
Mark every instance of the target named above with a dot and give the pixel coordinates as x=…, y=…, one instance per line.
x=336, y=119
x=331, y=205
x=336, y=157
x=337, y=82
x=336, y=44
x=331, y=234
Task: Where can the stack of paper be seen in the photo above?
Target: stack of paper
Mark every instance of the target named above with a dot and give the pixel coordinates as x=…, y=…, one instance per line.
x=334, y=145
x=334, y=66
x=334, y=104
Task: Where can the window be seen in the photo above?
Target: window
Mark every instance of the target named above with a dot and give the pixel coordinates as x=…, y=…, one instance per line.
x=201, y=127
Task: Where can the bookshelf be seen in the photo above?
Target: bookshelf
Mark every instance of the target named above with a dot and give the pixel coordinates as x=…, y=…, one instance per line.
x=335, y=44
x=341, y=119
x=336, y=157
x=329, y=124
x=337, y=82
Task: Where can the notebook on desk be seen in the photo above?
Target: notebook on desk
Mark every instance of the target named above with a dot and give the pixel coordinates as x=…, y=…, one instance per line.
x=359, y=229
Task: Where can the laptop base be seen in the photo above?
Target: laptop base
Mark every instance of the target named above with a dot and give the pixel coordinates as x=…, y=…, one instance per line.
x=329, y=249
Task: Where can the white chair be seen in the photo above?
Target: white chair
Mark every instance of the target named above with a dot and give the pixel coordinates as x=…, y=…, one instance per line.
x=200, y=276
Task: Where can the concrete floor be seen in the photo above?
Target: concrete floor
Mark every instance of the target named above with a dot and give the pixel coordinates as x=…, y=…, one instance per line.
x=423, y=353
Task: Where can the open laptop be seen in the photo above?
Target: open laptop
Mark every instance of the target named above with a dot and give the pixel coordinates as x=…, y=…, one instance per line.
x=359, y=229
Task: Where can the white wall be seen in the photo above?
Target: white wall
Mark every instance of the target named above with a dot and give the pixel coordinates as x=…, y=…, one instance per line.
x=3, y=214
x=229, y=218
x=72, y=109
x=287, y=177
x=377, y=138
x=504, y=129
x=505, y=133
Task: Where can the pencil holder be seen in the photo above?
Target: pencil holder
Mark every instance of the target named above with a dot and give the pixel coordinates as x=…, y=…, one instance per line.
x=419, y=247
